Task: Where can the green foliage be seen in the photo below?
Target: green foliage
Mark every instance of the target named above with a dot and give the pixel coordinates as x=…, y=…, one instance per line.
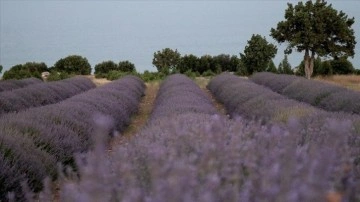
x=73, y=64
x=342, y=66
x=1, y=68
x=126, y=66
x=152, y=76
x=271, y=67
x=285, y=66
x=116, y=74
x=208, y=73
x=56, y=76
x=317, y=29
x=188, y=62
x=241, y=69
x=104, y=67
x=257, y=54
x=191, y=74
x=326, y=68
x=27, y=70
x=166, y=60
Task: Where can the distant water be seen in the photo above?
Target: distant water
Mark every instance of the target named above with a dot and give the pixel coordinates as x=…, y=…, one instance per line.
x=45, y=31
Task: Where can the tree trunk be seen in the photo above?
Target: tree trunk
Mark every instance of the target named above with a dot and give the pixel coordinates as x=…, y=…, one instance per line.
x=309, y=63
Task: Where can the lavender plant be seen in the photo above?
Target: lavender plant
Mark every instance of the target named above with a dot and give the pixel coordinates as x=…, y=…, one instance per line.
x=8, y=85
x=202, y=157
x=42, y=94
x=323, y=95
x=244, y=98
x=178, y=94
x=33, y=141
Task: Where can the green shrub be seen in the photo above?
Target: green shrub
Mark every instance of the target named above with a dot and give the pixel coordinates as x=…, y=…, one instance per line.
x=73, y=64
x=104, y=67
x=27, y=70
x=56, y=76
x=208, y=73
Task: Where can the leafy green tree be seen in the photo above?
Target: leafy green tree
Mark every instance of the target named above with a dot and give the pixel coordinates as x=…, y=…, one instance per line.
x=342, y=66
x=326, y=68
x=257, y=54
x=188, y=63
x=73, y=64
x=234, y=63
x=27, y=70
x=271, y=67
x=166, y=60
x=206, y=63
x=105, y=67
x=126, y=66
x=317, y=29
x=285, y=66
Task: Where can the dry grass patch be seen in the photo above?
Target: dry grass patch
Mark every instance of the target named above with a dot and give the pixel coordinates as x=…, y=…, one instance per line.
x=348, y=81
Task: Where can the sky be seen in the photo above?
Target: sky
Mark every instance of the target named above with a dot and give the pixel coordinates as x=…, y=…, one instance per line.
x=45, y=31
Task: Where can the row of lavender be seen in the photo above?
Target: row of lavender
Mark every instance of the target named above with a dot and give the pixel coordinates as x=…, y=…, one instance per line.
x=314, y=142
x=326, y=96
x=196, y=154
x=15, y=84
x=42, y=94
x=34, y=141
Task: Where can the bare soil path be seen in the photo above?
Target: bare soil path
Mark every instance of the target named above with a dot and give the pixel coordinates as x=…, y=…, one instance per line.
x=139, y=119
x=202, y=82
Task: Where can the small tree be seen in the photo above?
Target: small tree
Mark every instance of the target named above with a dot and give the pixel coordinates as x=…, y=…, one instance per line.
x=271, y=67
x=285, y=66
x=166, y=60
x=1, y=68
x=105, y=67
x=257, y=54
x=317, y=29
x=126, y=66
x=73, y=64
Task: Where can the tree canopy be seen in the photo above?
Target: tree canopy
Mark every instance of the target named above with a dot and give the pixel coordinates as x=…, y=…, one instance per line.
x=126, y=66
x=285, y=66
x=73, y=64
x=257, y=54
x=166, y=60
x=27, y=70
x=105, y=67
x=317, y=29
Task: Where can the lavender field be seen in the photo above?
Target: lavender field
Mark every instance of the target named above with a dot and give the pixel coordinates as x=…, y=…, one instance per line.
x=275, y=142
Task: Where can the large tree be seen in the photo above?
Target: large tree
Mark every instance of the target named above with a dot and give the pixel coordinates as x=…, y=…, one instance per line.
x=27, y=70
x=317, y=29
x=73, y=64
x=166, y=60
x=257, y=54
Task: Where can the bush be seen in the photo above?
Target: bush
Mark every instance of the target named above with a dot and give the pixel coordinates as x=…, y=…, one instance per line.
x=341, y=66
x=115, y=74
x=208, y=73
x=126, y=66
x=105, y=67
x=152, y=76
x=73, y=64
x=56, y=76
x=27, y=70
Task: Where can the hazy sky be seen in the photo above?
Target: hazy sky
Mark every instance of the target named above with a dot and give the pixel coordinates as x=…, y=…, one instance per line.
x=45, y=31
